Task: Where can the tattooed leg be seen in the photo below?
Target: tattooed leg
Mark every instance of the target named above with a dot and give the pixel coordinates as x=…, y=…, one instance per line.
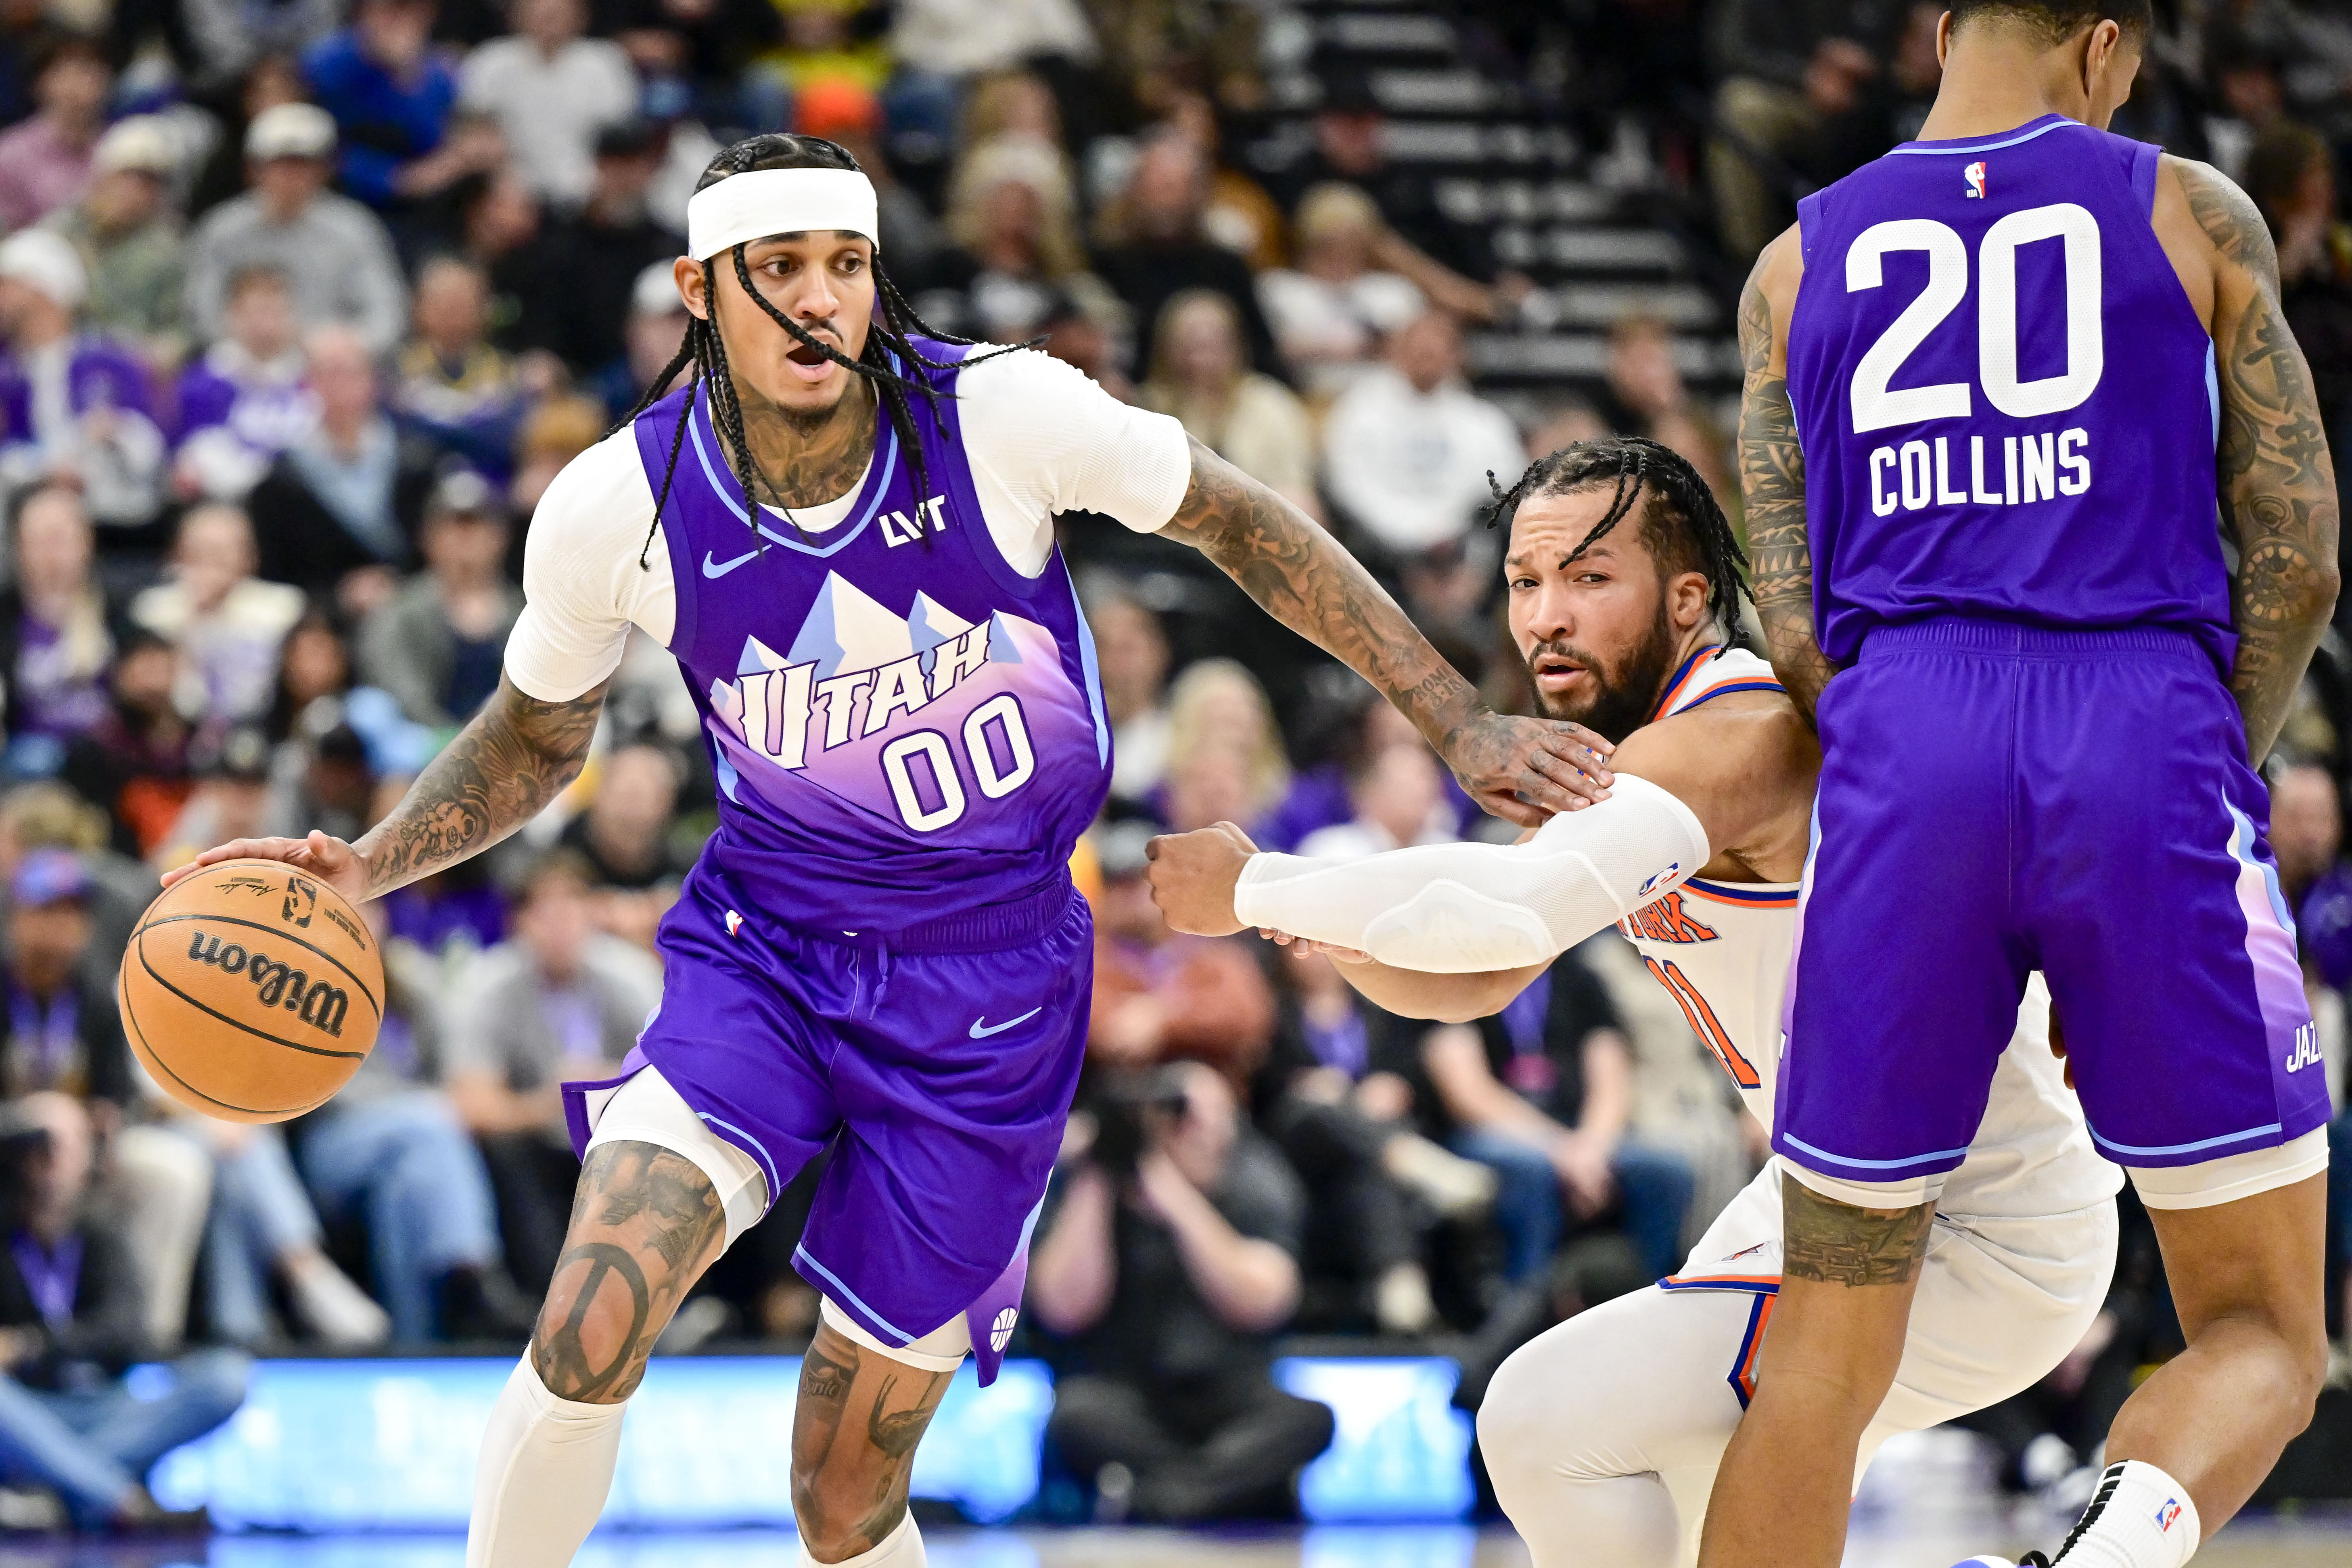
x=1836, y=1339
x=645, y=1223
x=860, y=1414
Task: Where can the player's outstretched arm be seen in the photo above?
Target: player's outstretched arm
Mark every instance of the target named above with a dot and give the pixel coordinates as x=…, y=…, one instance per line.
x=501, y=771
x=1522, y=769
x=2277, y=480
x=1772, y=477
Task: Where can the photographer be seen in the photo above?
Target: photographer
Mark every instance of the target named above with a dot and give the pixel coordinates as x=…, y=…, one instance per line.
x=71, y=1322
x=1168, y=1258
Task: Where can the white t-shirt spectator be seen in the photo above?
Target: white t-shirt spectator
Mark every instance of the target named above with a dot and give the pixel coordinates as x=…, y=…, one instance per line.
x=550, y=109
x=1331, y=331
x=1411, y=467
x=968, y=37
x=1041, y=436
x=230, y=668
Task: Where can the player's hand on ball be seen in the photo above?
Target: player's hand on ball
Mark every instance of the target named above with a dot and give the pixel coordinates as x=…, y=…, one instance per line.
x=1192, y=877
x=330, y=859
x=1528, y=770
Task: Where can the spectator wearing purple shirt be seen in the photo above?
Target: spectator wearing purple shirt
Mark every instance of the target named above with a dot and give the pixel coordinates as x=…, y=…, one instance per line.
x=45, y=162
x=55, y=640
x=72, y=406
x=2307, y=836
x=248, y=398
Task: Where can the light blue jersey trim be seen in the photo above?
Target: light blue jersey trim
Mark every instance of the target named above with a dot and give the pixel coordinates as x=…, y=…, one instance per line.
x=1794, y=1142
x=1090, y=667
x=1983, y=146
x=801, y=1255
x=2241, y=850
x=2202, y=1143
x=744, y=1140
x=885, y=460
x=2213, y=394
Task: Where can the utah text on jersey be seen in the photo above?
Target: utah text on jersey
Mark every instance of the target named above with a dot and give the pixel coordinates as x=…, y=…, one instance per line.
x=857, y=672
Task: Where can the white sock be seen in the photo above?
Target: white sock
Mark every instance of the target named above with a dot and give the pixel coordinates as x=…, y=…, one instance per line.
x=545, y=1467
x=2139, y=1518
x=902, y=1548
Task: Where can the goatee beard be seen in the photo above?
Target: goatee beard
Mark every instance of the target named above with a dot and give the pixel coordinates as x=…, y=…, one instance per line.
x=1625, y=694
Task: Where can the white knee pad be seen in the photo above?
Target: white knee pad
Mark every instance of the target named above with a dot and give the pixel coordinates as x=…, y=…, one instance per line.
x=647, y=1109
x=941, y=1350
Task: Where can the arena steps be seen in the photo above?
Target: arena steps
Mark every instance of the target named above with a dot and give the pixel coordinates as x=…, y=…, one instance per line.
x=1592, y=229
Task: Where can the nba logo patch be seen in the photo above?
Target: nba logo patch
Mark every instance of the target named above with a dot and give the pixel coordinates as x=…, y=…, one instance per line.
x=734, y=922
x=1642, y=893
x=1975, y=175
x=2167, y=1513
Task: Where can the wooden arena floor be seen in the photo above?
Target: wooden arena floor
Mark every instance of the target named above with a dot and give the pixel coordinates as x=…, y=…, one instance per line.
x=2310, y=1542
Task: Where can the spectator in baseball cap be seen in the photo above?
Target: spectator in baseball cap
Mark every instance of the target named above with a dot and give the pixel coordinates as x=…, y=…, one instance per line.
x=439, y=643
x=100, y=435
x=333, y=252
x=128, y=231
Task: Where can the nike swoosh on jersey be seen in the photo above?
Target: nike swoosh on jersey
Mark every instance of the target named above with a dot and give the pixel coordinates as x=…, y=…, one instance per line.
x=720, y=568
x=982, y=1028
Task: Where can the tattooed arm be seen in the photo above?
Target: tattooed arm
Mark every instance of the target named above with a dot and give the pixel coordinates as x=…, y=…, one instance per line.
x=2277, y=480
x=1772, y=477
x=502, y=769
x=1523, y=769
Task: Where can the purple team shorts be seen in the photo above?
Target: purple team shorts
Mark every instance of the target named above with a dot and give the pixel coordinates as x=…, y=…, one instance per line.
x=1996, y=799
x=938, y=1062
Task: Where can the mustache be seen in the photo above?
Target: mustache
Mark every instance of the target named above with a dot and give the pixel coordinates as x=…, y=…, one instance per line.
x=1568, y=650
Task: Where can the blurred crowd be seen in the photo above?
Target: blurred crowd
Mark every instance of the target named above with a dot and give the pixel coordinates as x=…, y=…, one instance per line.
x=303, y=303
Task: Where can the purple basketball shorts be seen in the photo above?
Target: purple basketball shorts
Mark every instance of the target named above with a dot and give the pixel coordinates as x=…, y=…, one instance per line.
x=1996, y=799
x=937, y=1063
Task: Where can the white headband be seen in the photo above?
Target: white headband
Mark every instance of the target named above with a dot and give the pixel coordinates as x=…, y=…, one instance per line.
x=754, y=206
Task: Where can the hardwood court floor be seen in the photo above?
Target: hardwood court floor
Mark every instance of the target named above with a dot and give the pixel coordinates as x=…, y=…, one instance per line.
x=2310, y=1542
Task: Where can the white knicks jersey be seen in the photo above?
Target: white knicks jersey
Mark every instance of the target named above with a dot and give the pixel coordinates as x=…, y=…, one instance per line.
x=1723, y=950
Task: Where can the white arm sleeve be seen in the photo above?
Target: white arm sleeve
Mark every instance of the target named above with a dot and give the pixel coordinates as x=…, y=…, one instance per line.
x=1465, y=908
x=583, y=588
x=1043, y=438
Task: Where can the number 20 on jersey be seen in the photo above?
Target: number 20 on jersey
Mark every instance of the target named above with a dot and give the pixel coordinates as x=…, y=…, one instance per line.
x=2010, y=467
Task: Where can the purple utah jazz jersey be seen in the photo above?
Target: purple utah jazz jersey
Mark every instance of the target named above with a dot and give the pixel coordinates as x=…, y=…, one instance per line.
x=904, y=726
x=2006, y=404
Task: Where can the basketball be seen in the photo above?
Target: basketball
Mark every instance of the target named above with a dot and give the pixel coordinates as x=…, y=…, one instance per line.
x=252, y=991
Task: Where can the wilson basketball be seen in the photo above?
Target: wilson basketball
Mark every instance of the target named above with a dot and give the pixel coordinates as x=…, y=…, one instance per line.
x=252, y=991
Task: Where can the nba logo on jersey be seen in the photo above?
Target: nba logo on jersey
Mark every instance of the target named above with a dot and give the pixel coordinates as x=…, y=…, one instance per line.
x=1975, y=175
x=2167, y=1513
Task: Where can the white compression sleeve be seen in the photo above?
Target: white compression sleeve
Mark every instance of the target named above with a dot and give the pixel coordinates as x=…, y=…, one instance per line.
x=545, y=1467
x=1463, y=909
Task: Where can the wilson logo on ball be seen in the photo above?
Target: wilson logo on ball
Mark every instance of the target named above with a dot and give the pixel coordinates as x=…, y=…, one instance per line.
x=280, y=985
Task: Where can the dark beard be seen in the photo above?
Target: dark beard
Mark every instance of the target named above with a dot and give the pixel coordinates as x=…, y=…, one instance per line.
x=1626, y=693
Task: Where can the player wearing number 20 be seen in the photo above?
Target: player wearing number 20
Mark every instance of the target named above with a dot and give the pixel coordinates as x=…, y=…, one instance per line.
x=1997, y=380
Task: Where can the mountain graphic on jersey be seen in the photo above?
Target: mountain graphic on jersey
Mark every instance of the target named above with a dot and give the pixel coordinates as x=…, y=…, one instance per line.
x=918, y=716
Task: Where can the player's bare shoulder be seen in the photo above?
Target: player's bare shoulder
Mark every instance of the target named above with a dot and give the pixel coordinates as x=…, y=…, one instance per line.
x=1744, y=762
x=2212, y=233
x=1770, y=293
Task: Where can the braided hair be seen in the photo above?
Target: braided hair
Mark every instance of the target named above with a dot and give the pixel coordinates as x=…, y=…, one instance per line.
x=1683, y=525
x=890, y=362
